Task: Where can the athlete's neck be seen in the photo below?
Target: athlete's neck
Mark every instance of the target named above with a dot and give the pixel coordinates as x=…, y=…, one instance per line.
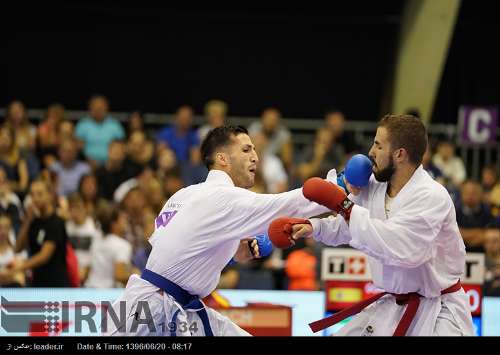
x=399, y=179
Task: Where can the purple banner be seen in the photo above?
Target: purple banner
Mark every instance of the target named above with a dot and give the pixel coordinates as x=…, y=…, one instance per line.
x=478, y=125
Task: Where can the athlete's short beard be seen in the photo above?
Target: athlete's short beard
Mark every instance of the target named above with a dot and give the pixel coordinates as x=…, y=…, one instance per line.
x=385, y=174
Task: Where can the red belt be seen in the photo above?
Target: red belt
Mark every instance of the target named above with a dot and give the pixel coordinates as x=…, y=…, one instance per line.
x=411, y=299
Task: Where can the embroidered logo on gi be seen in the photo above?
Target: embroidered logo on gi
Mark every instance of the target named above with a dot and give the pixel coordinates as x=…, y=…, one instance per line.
x=163, y=219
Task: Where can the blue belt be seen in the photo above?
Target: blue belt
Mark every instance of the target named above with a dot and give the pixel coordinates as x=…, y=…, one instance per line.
x=184, y=298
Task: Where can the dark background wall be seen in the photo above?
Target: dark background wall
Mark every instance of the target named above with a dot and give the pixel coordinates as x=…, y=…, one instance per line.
x=300, y=60
x=472, y=72
x=155, y=59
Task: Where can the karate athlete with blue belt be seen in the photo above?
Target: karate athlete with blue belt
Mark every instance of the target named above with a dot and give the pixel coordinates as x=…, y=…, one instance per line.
x=197, y=233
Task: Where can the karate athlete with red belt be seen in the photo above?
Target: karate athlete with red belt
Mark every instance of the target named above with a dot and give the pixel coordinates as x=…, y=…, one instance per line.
x=405, y=222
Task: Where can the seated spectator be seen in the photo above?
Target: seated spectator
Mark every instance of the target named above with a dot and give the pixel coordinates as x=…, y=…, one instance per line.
x=115, y=171
x=134, y=206
x=68, y=169
x=10, y=204
x=12, y=161
x=140, y=152
x=89, y=191
x=82, y=232
x=270, y=168
x=141, y=255
x=172, y=182
x=279, y=138
x=135, y=123
x=319, y=158
x=66, y=131
x=431, y=169
x=335, y=122
x=451, y=166
x=472, y=216
x=8, y=259
x=111, y=255
x=25, y=136
x=165, y=162
x=153, y=191
x=48, y=130
x=17, y=119
x=494, y=201
x=98, y=130
x=300, y=268
x=215, y=114
x=492, y=248
x=43, y=233
x=488, y=181
x=181, y=137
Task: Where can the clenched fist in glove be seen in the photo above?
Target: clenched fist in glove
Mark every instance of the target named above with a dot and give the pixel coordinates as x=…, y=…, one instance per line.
x=281, y=231
x=329, y=195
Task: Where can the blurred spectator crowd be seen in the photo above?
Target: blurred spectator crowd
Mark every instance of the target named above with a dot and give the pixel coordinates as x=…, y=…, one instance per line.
x=78, y=201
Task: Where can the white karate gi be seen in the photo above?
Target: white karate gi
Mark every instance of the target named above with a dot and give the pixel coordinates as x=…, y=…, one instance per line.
x=198, y=232
x=418, y=248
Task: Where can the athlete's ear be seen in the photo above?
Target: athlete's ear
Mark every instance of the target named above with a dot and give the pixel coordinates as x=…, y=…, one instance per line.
x=222, y=158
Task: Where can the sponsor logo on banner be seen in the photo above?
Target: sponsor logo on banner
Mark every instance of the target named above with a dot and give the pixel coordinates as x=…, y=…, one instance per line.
x=474, y=269
x=344, y=264
x=475, y=294
x=352, y=265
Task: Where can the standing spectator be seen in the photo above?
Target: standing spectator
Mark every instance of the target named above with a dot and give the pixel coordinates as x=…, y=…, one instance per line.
x=110, y=264
x=215, y=114
x=82, y=233
x=181, y=137
x=279, y=138
x=335, y=122
x=48, y=130
x=140, y=152
x=115, y=171
x=17, y=120
x=8, y=259
x=98, y=130
x=472, y=216
x=319, y=158
x=44, y=234
x=10, y=204
x=68, y=169
x=12, y=161
x=451, y=166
